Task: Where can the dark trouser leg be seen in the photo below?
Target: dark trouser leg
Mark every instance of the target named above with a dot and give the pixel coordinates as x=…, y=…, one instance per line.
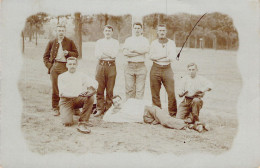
x=66, y=110
x=100, y=77
x=155, y=85
x=87, y=104
x=56, y=70
x=196, y=105
x=168, y=83
x=184, y=109
x=111, y=78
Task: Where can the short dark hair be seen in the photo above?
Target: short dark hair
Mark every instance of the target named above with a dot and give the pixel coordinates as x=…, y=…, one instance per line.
x=162, y=25
x=138, y=23
x=72, y=58
x=192, y=64
x=109, y=27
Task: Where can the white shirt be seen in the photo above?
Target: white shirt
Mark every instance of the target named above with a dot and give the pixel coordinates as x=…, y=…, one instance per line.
x=106, y=47
x=131, y=111
x=60, y=56
x=159, y=50
x=138, y=43
x=192, y=85
x=73, y=84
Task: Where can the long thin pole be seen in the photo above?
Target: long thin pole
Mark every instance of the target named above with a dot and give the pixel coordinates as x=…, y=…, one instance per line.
x=178, y=55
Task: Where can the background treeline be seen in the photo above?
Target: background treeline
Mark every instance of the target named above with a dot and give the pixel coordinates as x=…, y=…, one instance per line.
x=215, y=30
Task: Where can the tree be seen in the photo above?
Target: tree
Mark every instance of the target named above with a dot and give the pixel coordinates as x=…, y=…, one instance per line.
x=35, y=23
x=78, y=32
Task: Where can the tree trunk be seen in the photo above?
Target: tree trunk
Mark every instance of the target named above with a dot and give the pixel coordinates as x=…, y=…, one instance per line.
x=36, y=37
x=78, y=32
x=195, y=44
x=106, y=19
x=23, y=41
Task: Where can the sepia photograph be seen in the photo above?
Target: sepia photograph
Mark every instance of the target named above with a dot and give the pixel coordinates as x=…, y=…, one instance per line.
x=139, y=84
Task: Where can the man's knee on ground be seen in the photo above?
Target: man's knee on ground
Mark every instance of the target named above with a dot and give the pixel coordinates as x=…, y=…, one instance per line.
x=91, y=99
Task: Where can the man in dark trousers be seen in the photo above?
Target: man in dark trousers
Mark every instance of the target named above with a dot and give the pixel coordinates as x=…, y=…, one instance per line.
x=55, y=58
x=162, y=53
x=106, y=51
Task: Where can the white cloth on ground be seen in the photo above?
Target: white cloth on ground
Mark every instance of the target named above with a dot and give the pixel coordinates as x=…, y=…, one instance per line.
x=131, y=111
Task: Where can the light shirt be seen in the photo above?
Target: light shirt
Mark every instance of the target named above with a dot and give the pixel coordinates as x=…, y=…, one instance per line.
x=138, y=43
x=73, y=84
x=131, y=111
x=159, y=50
x=107, y=46
x=192, y=85
x=60, y=56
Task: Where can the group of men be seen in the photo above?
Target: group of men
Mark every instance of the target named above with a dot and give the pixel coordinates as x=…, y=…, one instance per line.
x=72, y=90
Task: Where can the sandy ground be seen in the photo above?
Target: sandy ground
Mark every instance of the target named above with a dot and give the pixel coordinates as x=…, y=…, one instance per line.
x=45, y=134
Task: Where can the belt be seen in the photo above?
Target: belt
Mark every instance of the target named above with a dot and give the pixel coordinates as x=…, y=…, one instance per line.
x=59, y=62
x=161, y=66
x=107, y=63
x=130, y=62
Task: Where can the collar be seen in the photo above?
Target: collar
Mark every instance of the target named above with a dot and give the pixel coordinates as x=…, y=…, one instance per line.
x=64, y=39
x=163, y=40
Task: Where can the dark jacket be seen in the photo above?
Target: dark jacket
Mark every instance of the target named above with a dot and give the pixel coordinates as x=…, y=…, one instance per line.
x=52, y=50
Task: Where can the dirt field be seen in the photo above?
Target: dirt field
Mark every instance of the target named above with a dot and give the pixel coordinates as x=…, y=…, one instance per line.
x=45, y=134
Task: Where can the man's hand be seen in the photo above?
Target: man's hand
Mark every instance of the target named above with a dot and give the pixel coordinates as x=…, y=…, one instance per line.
x=183, y=94
x=90, y=92
x=65, y=52
x=198, y=94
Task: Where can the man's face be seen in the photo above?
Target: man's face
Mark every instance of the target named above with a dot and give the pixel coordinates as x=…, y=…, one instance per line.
x=161, y=31
x=117, y=102
x=72, y=65
x=192, y=71
x=61, y=32
x=108, y=32
x=137, y=29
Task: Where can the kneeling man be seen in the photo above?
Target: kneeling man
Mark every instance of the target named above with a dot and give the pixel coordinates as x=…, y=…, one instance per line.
x=76, y=90
x=193, y=89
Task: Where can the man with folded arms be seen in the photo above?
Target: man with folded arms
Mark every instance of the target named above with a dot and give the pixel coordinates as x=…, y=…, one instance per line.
x=162, y=53
x=135, y=49
x=106, y=51
x=76, y=90
x=56, y=53
x=192, y=90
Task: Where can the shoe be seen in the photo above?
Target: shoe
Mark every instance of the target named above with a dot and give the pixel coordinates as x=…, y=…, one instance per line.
x=67, y=124
x=199, y=128
x=82, y=127
x=188, y=121
x=56, y=112
x=98, y=113
x=191, y=126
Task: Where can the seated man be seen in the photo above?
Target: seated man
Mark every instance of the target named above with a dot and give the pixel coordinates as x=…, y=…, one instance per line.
x=135, y=110
x=76, y=90
x=192, y=91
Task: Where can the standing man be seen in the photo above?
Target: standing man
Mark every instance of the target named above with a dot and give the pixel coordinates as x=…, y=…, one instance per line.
x=54, y=58
x=76, y=91
x=135, y=49
x=192, y=91
x=162, y=53
x=106, y=51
